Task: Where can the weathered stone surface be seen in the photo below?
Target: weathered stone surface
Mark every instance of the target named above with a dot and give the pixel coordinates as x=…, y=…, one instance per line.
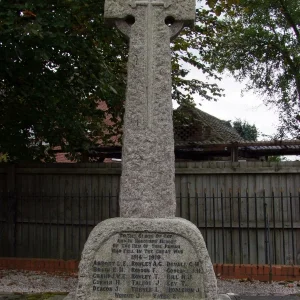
x=180, y=10
x=147, y=181
x=146, y=258
x=141, y=257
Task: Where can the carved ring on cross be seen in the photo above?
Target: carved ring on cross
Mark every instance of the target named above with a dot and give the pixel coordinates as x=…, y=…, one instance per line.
x=125, y=28
x=124, y=25
x=177, y=13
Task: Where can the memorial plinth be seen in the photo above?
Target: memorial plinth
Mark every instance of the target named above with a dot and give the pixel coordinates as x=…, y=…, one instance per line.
x=146, y=258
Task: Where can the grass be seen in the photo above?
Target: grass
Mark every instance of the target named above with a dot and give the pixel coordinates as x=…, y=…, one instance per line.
x=43, y=296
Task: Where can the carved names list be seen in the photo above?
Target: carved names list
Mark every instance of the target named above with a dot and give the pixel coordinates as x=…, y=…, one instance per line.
x=147, y=265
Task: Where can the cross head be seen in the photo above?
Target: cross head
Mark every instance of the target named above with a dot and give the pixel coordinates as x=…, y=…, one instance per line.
x=180, y=10
x=134, y=3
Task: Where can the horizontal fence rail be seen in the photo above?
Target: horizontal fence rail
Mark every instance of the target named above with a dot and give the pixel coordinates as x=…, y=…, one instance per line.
x=238, y=226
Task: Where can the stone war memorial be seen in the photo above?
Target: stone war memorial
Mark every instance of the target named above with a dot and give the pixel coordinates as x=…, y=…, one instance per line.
x=147, y=253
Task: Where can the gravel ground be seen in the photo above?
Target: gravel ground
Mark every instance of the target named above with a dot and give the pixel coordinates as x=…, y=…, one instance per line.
x=257, y=288
x=33, y=282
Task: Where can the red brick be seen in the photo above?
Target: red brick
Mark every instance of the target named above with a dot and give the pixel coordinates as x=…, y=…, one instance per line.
x=248, y=270
x=225, y=271
x=33, y=265
x=56, y=264
x=62, y=266
x=276, y=270
x=215, y=268
x=284, y=270
x=296, y=271
x=291, y=271
x=47, y=266
x=72, y=266
x=243, y=270
x=237, y=270
x=12, y=263
x=221, y=268
x=8, y=263
x=255, y=269
x=266, y=269
x=2, y=263
x=260, y=270
x=231, y=270
x=277, y=278
x=26, y=264
x=52, y=265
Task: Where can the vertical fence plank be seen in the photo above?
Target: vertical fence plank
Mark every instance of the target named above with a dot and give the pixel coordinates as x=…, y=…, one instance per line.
x=283, y=228
x=248, y=227
x=232, y=248
x=57, y=210
x=292, y=229
x=11, y=208
x=223, y=229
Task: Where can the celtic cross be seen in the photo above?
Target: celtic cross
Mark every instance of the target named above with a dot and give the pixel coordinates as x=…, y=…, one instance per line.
x=147, y=181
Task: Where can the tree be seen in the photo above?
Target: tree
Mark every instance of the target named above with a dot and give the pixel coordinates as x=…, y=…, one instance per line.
x=260, y=41
x=245, y=130
x=58, y=59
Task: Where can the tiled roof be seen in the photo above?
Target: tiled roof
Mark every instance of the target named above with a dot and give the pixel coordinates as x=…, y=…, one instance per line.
x=114, y=140
x=201, y=127
x=61, y=158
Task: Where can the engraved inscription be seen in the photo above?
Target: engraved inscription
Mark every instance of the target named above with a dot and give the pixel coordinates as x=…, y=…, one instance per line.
x=147, y=265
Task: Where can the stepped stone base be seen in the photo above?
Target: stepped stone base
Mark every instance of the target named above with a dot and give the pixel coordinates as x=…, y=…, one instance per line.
x=128, y=258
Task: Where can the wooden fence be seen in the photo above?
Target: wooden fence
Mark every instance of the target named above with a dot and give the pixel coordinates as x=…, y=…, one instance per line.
x=247, y=212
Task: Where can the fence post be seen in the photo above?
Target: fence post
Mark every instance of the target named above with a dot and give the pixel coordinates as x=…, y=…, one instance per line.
x=11, y=209
x=266, y=230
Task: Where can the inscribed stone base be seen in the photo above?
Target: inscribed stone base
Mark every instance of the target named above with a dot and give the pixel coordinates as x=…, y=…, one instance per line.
x=130, y=258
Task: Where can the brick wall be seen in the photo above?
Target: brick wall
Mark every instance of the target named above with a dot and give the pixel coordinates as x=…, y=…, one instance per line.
x=223, y=271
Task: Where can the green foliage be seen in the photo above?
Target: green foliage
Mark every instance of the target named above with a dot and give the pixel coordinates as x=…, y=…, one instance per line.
x=218, y=6
x=43, y=296
x=184, y=55
x=57, y=60
x=260, y=41
x=3, y=158
x=276, y=158
x=245, y=130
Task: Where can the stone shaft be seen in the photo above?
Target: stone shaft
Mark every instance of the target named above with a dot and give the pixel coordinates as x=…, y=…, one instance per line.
x=147, y=182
